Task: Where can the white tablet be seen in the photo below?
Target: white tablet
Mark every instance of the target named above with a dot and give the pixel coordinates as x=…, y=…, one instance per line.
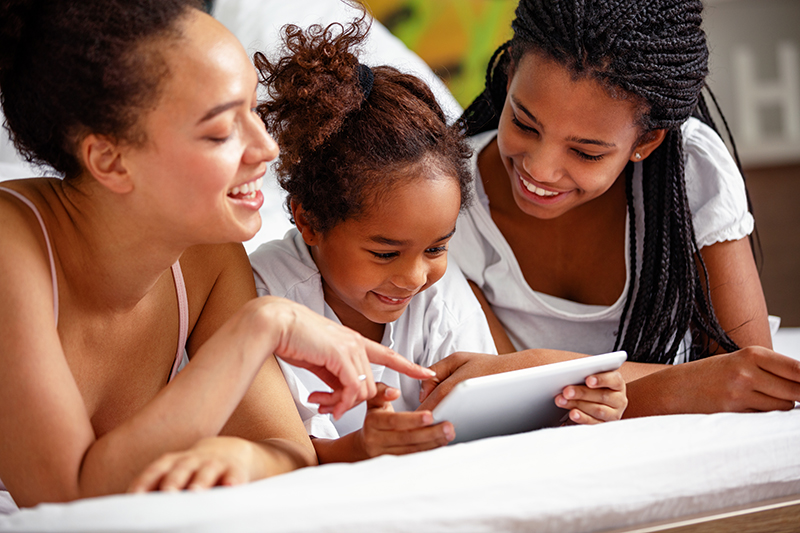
x=517, y=401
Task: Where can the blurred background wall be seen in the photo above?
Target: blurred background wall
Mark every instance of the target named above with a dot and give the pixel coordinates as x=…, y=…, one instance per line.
x=754, y=73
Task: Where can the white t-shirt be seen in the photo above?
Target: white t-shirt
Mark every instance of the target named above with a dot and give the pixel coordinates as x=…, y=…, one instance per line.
x=718, y=205
x=443, y=319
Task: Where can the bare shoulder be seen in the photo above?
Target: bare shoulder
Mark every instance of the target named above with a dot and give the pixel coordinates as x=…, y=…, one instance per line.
x=203, y=265
x=21, y=235
x=219, y=281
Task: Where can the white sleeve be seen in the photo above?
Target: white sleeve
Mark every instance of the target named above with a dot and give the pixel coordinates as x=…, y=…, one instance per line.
x=714, y=187
x=461, y=325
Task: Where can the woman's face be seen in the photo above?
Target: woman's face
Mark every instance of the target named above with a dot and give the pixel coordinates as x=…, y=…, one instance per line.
x=563, y=141
x=376, y=263
x=199, y=173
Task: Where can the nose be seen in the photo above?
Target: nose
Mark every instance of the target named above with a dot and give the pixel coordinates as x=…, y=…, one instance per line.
x=261, y=146
x=411, y=274
x=542, y=163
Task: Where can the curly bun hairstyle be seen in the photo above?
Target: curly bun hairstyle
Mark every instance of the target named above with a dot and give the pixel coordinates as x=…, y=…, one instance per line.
x=653, y=52
x=341, y=150
x=71, y=68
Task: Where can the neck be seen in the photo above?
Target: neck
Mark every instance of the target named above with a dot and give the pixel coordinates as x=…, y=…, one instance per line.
x=109, y=255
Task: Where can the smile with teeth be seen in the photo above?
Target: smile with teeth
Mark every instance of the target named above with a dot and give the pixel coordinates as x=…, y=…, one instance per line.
x=389, y=299
x=538, y=191
x=247, y=190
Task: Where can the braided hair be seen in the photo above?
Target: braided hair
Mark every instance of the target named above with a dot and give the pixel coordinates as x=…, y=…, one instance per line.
x=348, y=134
x=656, y=53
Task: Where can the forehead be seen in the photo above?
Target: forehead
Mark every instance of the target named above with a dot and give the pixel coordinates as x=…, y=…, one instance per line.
x=560, y=98
x=425, y=207
x=207, y=65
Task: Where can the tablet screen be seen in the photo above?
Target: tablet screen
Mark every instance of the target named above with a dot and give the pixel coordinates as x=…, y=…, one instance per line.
x=517, y=401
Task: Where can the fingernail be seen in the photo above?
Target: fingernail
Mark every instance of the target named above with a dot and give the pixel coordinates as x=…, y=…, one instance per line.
x=568, y=392
x=430, y=372
x=449, y=433
x=575, y=416
x=427, y=419
x=560, y=400
x=591, y=381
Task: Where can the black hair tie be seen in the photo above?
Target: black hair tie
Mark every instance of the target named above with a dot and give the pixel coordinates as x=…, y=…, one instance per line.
x=365, y=78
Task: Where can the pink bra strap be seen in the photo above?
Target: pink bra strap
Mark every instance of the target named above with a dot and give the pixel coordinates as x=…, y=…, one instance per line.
x=47, y=242
x=183, y=310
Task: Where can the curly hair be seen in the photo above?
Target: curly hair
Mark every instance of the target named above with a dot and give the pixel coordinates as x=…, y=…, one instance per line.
x=653, y=52
x=341, y=150
x=72, y=68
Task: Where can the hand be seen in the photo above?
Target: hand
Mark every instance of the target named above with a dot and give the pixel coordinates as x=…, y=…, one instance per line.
x=750, y=379
x=211, y=462
x=337, y=355
x=388, y=432
x=602, y=399
x=454, y=369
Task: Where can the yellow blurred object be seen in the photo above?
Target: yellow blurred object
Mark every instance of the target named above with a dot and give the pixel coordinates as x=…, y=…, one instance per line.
x=456, y=38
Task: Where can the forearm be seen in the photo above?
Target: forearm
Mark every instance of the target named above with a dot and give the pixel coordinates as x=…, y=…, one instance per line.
x=195, y=405
x=278, y=456
x=347, y=449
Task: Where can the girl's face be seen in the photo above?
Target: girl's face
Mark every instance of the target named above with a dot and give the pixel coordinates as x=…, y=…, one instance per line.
x=396, y=249
x=563, y=141
x=199, y=172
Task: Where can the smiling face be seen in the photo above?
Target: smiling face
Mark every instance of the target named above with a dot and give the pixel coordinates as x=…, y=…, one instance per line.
x=563, y=141
x=199, y=171
x=373, y=265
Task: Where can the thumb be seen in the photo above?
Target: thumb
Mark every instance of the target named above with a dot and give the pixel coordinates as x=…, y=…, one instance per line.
x=442, y=369
x=385, y=395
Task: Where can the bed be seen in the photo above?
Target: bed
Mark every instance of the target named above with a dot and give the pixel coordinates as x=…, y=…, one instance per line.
x=723, y=472
x=623, y=476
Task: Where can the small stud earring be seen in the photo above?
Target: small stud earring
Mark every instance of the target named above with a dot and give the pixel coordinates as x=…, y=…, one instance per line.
x=637, y=155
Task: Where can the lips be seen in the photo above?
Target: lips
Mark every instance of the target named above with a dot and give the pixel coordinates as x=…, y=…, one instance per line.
x=390, y=300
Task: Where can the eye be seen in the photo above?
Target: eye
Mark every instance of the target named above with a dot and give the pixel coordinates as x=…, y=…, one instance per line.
x=218, y=140
x=588, y=157
x=436, y=250
x=522, y=126
x=384, y=255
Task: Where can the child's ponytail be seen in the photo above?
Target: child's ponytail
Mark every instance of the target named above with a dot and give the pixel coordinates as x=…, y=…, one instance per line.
x=347, y=131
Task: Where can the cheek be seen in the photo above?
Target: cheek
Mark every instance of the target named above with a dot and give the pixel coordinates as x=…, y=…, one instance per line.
x=437, y=269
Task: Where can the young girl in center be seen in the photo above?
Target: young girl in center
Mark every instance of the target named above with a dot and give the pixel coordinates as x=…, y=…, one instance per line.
x=375, y=181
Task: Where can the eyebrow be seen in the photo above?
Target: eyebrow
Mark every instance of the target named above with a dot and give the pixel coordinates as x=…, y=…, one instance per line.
x=393, y=242
x=578, y=140
x=220, y=109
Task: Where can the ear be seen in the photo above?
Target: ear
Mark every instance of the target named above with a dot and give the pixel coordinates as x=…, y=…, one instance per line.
x=310, y=236
x=102, y=158
x=648, y=142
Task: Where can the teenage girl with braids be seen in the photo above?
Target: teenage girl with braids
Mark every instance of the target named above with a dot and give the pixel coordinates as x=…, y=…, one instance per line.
x=111, y=273
x=375, y=181
x=607, y=217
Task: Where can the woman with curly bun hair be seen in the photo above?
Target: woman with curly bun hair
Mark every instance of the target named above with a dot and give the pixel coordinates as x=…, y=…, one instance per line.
x=375, y=180
x=112, y=273
x=609, y=213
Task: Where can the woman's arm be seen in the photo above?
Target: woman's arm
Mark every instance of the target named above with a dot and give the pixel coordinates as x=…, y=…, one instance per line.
x=754, y=378
x=736, y=293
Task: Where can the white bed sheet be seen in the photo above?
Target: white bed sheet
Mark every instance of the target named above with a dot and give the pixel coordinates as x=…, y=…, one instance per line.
x=578, y=478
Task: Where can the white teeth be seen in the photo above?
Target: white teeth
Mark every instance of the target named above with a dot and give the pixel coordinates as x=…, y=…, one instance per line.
x=536, y=190
x=248, y=189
